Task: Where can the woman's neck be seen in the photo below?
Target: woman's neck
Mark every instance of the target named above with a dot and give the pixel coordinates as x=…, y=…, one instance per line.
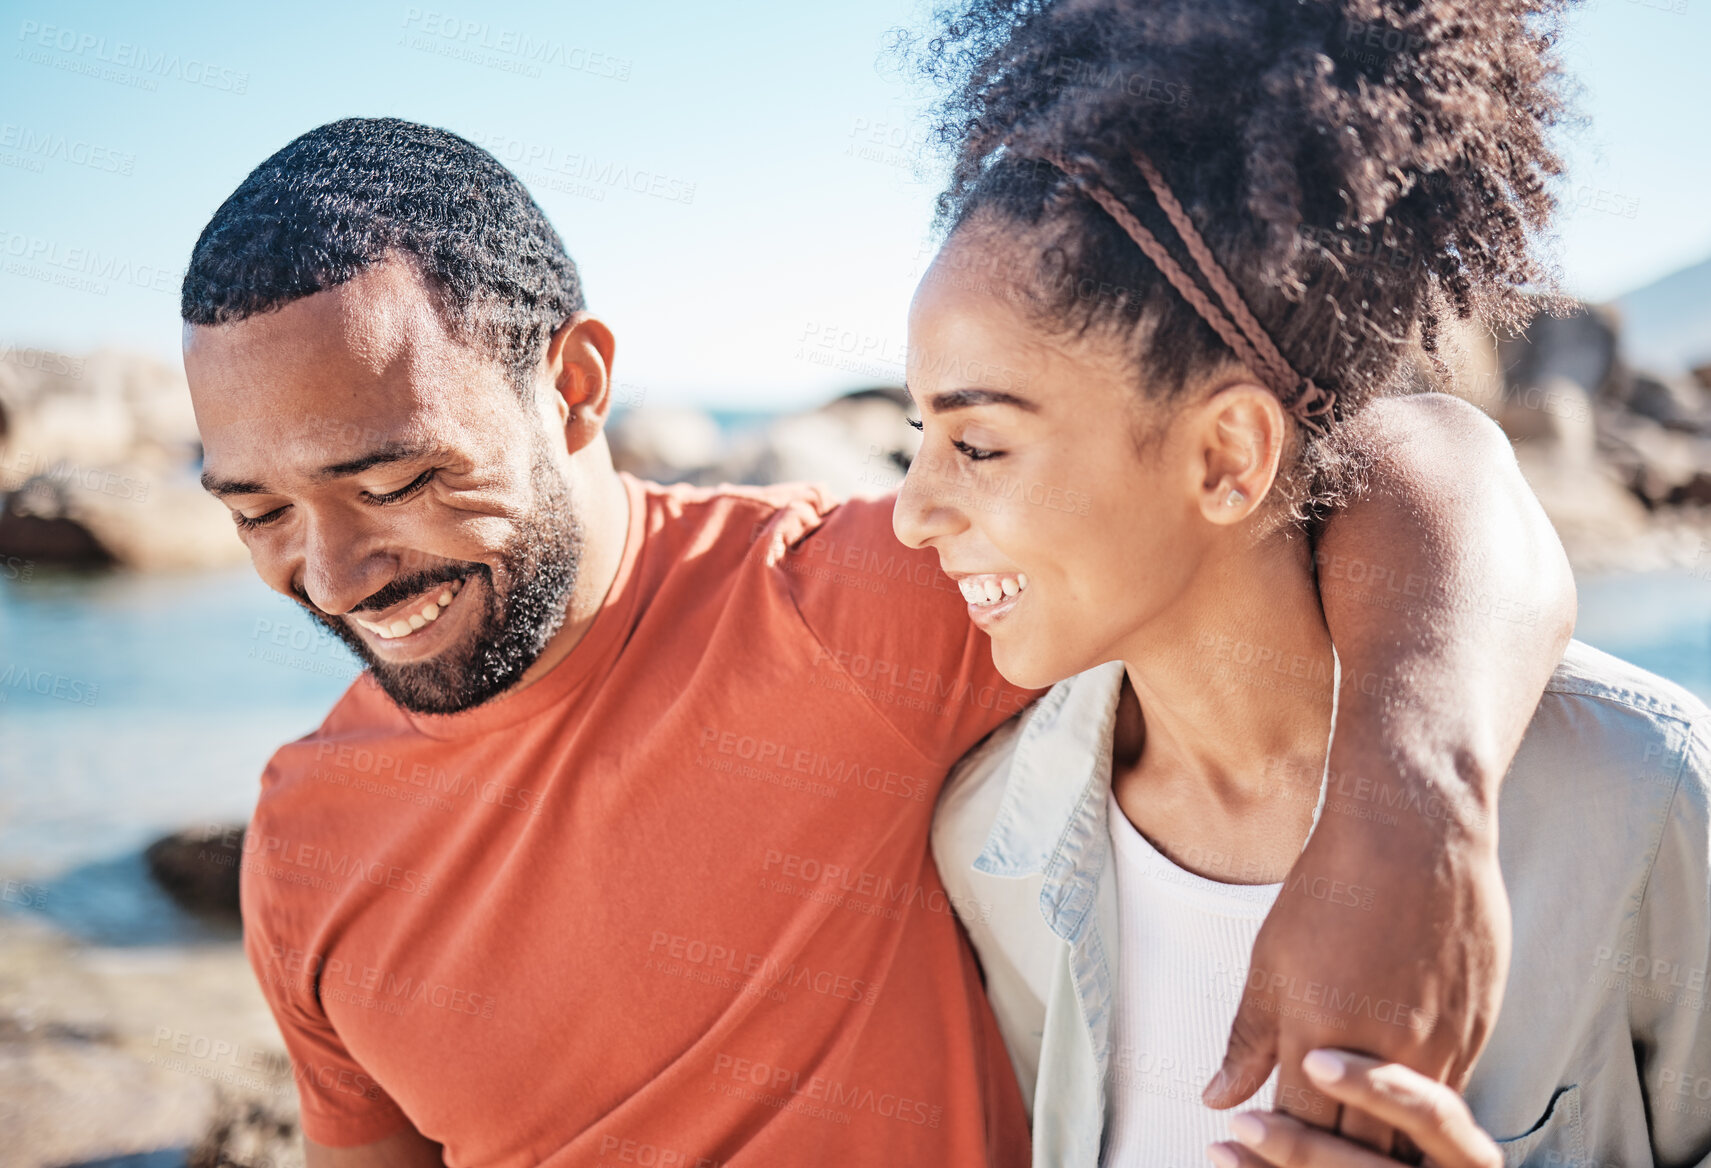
x=1219, y=761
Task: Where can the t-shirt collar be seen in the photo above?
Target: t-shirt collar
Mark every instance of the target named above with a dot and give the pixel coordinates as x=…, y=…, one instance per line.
x=602, y=640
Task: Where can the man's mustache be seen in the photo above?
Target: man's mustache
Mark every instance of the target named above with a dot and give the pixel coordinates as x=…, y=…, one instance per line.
x=401, y=588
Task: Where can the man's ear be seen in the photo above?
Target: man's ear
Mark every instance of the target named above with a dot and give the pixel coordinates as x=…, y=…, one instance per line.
x=1240, y=434
x=578, y=367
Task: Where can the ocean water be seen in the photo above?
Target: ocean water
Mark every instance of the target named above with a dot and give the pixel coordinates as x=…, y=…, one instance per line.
x=133, y=706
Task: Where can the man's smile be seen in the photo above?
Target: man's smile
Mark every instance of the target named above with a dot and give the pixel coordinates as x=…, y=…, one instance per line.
x=410, y=620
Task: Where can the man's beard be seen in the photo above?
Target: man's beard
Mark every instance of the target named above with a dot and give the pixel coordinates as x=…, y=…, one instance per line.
x=539, y=568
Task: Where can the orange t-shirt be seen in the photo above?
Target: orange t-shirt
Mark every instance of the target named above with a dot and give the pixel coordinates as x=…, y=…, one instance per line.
x=672, y=905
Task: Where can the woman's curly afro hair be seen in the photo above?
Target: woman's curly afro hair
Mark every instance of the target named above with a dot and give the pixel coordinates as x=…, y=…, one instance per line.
x=1363, y=170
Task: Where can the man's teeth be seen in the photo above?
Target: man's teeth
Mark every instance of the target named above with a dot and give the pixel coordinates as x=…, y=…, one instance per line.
x=985, y=590
x=411, y=621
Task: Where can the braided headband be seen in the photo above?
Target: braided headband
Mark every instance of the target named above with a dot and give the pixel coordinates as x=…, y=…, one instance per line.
x=1309, y=404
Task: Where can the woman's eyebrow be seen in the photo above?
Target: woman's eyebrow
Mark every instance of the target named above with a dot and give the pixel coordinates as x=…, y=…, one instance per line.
x=962, y=399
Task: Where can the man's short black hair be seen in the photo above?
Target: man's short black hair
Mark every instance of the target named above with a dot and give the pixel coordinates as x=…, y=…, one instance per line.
x=349, y=193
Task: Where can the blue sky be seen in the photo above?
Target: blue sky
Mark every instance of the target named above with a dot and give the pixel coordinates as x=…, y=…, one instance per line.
x=771, y=205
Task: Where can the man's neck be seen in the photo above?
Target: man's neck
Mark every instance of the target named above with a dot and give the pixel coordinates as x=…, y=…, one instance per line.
x=603, y=505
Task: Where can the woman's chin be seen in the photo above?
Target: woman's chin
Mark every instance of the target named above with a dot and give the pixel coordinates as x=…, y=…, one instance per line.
x=1025, y=666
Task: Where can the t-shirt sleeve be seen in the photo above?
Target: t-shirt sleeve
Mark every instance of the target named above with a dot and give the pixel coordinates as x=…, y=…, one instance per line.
x=896, y=629
x=342, y=1104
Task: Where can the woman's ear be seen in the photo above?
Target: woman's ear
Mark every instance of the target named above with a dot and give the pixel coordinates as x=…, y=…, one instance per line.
x=1240, y=433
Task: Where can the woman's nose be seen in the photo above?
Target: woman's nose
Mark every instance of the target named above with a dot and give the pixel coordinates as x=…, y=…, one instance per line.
x=923, y=511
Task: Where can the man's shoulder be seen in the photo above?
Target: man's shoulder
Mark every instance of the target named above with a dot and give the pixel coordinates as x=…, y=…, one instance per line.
x=1605, y=726
x=820, y=539
x=734, y=511
x=852, y=554
x=363, y=717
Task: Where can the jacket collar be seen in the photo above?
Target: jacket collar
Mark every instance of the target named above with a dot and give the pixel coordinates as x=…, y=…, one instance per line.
x=1051, y=820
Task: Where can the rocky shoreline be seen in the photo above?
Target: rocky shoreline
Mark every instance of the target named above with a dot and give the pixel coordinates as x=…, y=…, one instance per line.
x=99, y=454
x=165, y=1055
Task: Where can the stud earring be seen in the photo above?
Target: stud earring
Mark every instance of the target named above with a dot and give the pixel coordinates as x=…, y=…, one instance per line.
x=1235, y=498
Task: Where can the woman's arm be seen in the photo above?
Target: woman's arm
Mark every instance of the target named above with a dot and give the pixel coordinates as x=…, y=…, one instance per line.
x=1450, y=601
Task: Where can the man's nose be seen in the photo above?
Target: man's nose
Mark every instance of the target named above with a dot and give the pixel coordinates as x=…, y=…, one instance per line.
x=924, y=510
x=342, y=566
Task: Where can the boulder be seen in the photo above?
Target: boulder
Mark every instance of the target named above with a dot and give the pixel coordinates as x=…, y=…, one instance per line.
x=1663, y=467
x=249, y=1133
x=859, y=444
x=108, y=407
x=199, y=869
x=1677, y=403
x=663, y=443
x=1590, y=506
x=145, y=515
x=97, y=465
x=1579, y=347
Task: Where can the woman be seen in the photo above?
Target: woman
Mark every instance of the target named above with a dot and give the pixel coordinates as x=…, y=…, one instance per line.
x=1198, y=238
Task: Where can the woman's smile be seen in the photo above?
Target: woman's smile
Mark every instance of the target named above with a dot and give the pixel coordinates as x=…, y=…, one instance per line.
x=991, y=595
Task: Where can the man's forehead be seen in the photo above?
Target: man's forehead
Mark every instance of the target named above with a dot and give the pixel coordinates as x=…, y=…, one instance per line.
x=302, y=392
x=373, y=321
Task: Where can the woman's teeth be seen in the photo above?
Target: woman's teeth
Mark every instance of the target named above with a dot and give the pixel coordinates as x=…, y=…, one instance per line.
x=985, y=590
x=404, y=625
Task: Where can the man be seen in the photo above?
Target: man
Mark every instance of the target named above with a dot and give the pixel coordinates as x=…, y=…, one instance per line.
x=618, y=852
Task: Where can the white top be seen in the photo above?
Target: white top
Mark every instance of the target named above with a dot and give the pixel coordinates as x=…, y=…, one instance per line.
x=1184, y=944
x=1184, y=947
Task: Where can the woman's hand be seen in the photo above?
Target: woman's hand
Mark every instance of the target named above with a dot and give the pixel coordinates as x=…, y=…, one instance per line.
x=1426, y=1112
